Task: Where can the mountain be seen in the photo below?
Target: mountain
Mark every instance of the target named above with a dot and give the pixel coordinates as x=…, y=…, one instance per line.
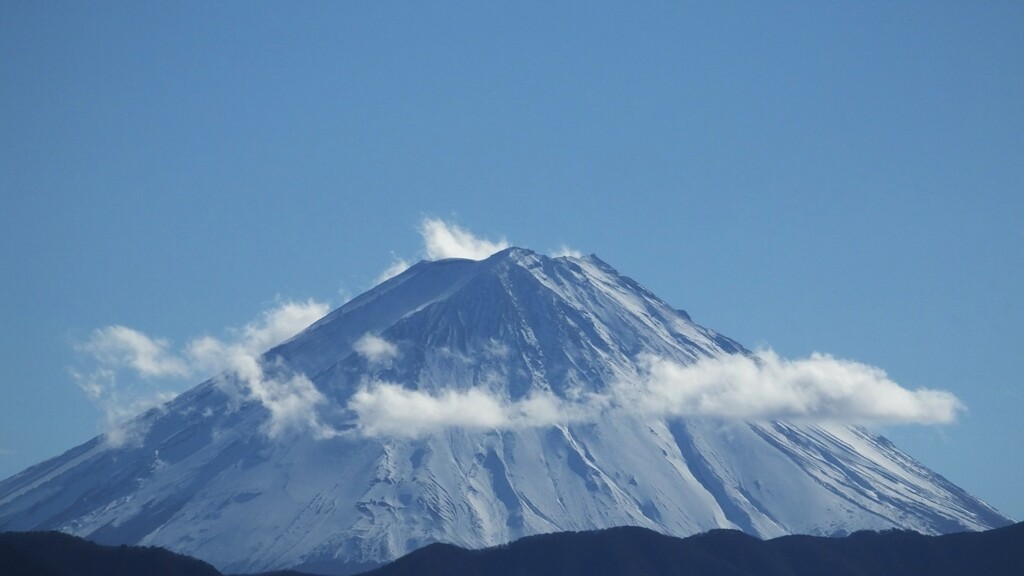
x=631, y=550
x=430, y=409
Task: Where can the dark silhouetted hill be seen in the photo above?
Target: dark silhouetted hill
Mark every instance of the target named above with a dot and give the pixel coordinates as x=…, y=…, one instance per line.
x=623, y=551
x=57, y=554
x=637, y=551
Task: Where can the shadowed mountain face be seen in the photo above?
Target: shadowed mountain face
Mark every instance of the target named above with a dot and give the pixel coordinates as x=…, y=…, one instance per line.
x=372, y=470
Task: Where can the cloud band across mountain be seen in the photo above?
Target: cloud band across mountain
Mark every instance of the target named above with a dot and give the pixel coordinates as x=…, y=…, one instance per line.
x=754, y=388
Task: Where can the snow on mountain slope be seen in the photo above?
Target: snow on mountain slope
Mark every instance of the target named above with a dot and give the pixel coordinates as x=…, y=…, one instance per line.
x=206, y=479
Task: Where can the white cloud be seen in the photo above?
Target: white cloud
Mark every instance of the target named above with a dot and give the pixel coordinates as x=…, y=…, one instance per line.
x=446, y=240
x=281, y=323
x=817, y=389
x=292, y=402
x=387, y=409
x=119, y=401
x=820, y=388
x=123, y=346
x=123, y=356
x=565, y=251
x=391, y=410
x=442, y=240
x=241, y=353
x=344, y=295
x=375, y=349
x=117, y=350
x=290, y=399
x=396, y=268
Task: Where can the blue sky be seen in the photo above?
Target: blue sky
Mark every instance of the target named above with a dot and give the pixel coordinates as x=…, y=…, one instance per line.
x=834, y=177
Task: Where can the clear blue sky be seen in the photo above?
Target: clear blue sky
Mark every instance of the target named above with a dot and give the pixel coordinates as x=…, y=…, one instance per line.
x=835, y=177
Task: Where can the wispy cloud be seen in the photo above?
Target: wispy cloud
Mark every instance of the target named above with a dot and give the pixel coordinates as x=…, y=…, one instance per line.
x=290, y=399
x=375, y=349
x=344, y=295
x=397, y=267
x=816, y=389
x=120, y=346
x=120, y=399
x=447, y=240
x=565, y=251
x=149, y=362
x=133, y=372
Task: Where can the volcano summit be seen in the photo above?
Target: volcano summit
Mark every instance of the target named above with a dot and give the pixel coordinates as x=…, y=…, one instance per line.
x=476, y=402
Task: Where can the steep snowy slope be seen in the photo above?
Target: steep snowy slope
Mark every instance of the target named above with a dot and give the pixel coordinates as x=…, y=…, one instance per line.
x=206, y=477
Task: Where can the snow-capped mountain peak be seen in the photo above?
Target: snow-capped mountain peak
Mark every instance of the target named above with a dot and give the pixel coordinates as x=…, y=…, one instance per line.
x=443, y=402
